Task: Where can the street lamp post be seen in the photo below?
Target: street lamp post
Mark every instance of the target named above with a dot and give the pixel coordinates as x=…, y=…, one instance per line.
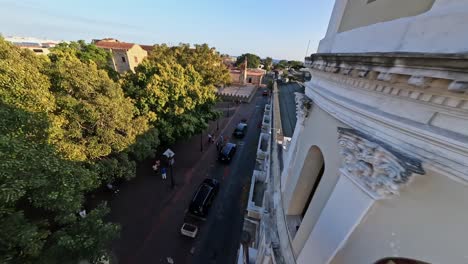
x=169, y=154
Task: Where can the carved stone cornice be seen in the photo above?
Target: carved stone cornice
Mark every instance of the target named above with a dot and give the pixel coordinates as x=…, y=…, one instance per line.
x=303, y=105
x=442, y=72
x=375, y=166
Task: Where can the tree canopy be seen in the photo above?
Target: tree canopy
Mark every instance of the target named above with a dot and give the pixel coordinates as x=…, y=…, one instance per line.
x=41, y=190
x=175, y=88
x=70, y=126
x=268, y=63
x=253, y=61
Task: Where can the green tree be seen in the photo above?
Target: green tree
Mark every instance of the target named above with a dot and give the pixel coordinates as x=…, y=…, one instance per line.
x=86, y=53
x=205, y=60
x=253, y=61
x=282, y=64
x=268, y=63
x=295, y=64
x=172, y=96
x=42, y=182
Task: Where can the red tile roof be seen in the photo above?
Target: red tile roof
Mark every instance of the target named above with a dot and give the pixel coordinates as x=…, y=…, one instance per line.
x=148, y=48
x=114, y=45
x=256, y=72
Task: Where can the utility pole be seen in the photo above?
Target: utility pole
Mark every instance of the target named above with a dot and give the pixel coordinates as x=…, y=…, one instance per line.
x=307, y=50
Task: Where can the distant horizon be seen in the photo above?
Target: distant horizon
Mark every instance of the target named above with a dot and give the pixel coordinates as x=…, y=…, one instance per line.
x=275, y=60
x=266, y=28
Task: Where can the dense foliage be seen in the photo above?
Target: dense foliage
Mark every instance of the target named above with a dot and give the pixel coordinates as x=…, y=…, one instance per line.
x=284, y=64
x=70, y=125
x=174, y=88
x=267, y=63
x=253, y=61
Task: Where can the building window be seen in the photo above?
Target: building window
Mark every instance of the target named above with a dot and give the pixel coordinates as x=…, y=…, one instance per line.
x=123, y=59
x=250, y=80
x=136, y=59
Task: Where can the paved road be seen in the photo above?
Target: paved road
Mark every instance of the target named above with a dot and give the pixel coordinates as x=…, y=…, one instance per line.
x=151, y=213
x=288, y=106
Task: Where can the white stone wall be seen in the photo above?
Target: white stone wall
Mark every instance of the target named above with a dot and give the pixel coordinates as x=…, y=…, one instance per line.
x=440, y=30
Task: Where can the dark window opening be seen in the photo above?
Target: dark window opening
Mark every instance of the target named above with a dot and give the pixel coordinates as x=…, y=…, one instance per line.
x=250, y=80
x=314, y=188
x=123, y=59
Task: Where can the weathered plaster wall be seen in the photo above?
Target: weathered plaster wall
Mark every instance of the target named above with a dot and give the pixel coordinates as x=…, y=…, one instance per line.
x=359, y=13
x=427, y=217
x=120, y=65
x=136, y=52
x=439, y=30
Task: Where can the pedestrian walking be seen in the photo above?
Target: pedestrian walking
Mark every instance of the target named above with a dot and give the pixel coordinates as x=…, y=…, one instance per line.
x=210, y=138
x=156, y=166
x=163, y=173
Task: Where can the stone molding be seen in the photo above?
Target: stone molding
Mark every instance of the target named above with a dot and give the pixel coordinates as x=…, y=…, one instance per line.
x=375, y=166
x=422, y=74
x=383, y=85
x=303, y=105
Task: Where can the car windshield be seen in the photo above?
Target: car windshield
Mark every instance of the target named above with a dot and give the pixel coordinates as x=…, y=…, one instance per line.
x=240, y=127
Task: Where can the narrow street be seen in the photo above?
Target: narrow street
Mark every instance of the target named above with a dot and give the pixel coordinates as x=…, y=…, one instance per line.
x=151, y=213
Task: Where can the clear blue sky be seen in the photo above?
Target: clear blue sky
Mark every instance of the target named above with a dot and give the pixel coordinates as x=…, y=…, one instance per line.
x=280, y=29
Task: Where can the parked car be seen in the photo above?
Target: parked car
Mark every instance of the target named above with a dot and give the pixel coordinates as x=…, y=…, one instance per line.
x=203, y=197
x=265, y=92
x=240, y=130
x=227, y=152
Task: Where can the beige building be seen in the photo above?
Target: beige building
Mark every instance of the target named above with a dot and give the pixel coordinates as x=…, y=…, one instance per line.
x=245, y=76
x=377, y=169
x=125, y=56
x=36, y=45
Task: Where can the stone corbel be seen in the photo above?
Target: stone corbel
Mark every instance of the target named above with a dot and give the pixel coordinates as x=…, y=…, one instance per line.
x=458, y=86
x=419, y=81
x=303, y=105
x=385, y=76
x=346, y=71
x=378, y=169
x=363, y=73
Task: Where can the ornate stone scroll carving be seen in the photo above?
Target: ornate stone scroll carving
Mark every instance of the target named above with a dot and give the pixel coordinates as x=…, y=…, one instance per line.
x=303, y=105
x=375, y=166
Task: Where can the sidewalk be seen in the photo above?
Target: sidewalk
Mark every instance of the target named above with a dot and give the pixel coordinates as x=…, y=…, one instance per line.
x=144, y=203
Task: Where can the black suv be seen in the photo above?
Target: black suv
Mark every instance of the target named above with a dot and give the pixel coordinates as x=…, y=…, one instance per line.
x=240, y=130
x=227, y=152
x=203, y=197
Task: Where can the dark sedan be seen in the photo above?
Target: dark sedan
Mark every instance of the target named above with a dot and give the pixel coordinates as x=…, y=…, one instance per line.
x=240, y=130
x=226, y=153
x=203, y=197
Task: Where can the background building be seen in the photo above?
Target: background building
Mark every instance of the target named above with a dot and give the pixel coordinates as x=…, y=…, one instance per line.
x=125, y=56
x=38, y=46
x=377, y=168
